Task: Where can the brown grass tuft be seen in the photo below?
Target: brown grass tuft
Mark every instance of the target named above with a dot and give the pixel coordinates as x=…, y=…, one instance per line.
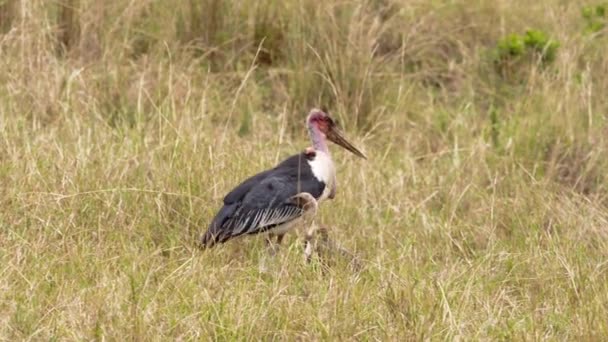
x=480, y=214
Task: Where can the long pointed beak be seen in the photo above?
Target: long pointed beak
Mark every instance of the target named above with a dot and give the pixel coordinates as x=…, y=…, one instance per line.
x=336, y=136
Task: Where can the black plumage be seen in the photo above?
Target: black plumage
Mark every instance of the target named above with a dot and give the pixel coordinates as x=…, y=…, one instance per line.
x=265, y=200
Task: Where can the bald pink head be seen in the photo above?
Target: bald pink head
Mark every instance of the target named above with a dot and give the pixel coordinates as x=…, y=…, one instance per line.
x=319, y=119
x=321, y=127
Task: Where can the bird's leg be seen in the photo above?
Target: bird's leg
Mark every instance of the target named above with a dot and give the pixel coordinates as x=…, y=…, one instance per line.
x=309, y=204
x=271, y=251
x=309, y=242
x=270, y=246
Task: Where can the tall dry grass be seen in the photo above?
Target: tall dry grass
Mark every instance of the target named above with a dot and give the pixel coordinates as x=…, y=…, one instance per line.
x=481, y=213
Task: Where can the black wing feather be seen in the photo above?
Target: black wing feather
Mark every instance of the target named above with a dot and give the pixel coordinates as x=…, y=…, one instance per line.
x=263, y=201
x=241, y=190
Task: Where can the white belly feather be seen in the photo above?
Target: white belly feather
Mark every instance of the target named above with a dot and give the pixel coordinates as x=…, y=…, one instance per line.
x=323, y=169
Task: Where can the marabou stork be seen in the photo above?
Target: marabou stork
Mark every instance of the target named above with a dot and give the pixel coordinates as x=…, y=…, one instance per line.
x=276, y=200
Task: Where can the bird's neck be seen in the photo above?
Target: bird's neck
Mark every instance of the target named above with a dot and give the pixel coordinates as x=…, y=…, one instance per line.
x=319, y=142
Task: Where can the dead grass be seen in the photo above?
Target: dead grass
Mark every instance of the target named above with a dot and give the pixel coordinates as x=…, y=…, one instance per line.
x=481, y=214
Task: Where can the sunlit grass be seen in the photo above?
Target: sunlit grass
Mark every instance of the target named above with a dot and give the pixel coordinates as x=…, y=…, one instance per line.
x=481, y=213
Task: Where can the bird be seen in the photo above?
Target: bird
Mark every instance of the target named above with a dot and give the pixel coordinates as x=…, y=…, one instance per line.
x=276, y=200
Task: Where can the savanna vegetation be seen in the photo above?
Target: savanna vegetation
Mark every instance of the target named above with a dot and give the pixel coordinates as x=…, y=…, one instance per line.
x=481, y=213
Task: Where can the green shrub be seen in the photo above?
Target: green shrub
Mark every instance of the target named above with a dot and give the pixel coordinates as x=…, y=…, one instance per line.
x=541, y=44
x=595, y=18
x=535, y=42
x=512, y=45
x=516, y=52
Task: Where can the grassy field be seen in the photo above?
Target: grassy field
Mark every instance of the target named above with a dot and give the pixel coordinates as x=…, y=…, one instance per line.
x=481, y=213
